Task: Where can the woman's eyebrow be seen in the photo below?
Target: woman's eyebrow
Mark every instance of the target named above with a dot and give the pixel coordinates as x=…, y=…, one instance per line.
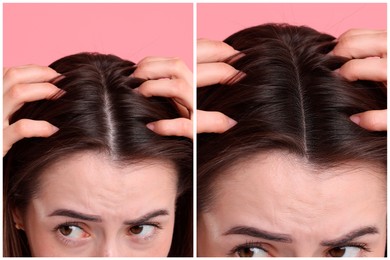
x=369, y=230
x=95, y=218
x=75, y=214
x=254, y=232
x=147, y=216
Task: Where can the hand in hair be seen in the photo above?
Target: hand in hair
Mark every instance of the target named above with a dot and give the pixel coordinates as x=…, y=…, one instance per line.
x=20, y=85
x=168, y=77
x=212, y=69
x=368, y=52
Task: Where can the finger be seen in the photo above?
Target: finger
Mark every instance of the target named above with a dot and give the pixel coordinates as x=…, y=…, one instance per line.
x=362, y=45
x=353, y=32
x=19, y=94
x=213, y=51
x=172, y=127
x=5, y=71
x=214, y=73
x=26, y=128
x=183, y=110
x=173, y=88
x=170, y=68
x=365, y=69
x=374, y=120
x=27, y=74
x=213, y=122
x=154, y=58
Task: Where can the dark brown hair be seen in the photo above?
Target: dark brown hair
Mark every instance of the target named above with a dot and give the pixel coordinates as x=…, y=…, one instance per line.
x=290, y=99
x=98, y=112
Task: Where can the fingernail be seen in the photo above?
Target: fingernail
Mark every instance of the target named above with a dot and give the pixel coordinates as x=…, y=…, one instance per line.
x=235, y=78
x=151, y=126
x=330, y=53
x=55, y=129
x=231, y=122
x=57, y=78
x=337, y=71
x=61, y=92
x=355, y=119
x=136, y=90
x=238, y=55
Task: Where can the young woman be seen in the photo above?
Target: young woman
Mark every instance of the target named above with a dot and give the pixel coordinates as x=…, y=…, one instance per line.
x=295, y=175
x=94, y=180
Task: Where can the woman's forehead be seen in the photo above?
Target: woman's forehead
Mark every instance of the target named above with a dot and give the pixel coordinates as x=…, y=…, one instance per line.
x=280, y=193
x=90, y=177
x=285, y=183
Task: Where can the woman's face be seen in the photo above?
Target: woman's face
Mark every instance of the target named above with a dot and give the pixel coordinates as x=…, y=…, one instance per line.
x=87, y=206
x=278, y=205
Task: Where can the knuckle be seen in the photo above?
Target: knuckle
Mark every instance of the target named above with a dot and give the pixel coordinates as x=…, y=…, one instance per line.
x=17, y=91
x=22, y=127
x=177, y=64
x=345, y=45
x=13, y=73
x=141, y=70
x=348, y=70
x=141, y=66
x=345, y=42
x=349, y=33
x=178, y=88
x=146, y=60
x=146, y=89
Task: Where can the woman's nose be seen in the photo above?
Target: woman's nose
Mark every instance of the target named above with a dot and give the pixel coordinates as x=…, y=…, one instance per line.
x=110, y=252
x=111, y=249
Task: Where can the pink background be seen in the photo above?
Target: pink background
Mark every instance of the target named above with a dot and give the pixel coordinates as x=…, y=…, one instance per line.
x=218, y=21
x=42, y=33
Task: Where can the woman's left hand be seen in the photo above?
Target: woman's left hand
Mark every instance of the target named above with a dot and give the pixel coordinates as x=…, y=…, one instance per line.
x=168, y=77
x=367, y=50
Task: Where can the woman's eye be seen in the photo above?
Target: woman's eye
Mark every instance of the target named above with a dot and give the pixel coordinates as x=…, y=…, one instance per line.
x=142, y=230
x=345, y=251
x=251, y=252
x=71, y=231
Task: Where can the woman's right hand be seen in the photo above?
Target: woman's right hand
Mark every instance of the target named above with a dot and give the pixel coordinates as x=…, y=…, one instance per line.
x=368, y=52
x=20, y=85
x=212, y=70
